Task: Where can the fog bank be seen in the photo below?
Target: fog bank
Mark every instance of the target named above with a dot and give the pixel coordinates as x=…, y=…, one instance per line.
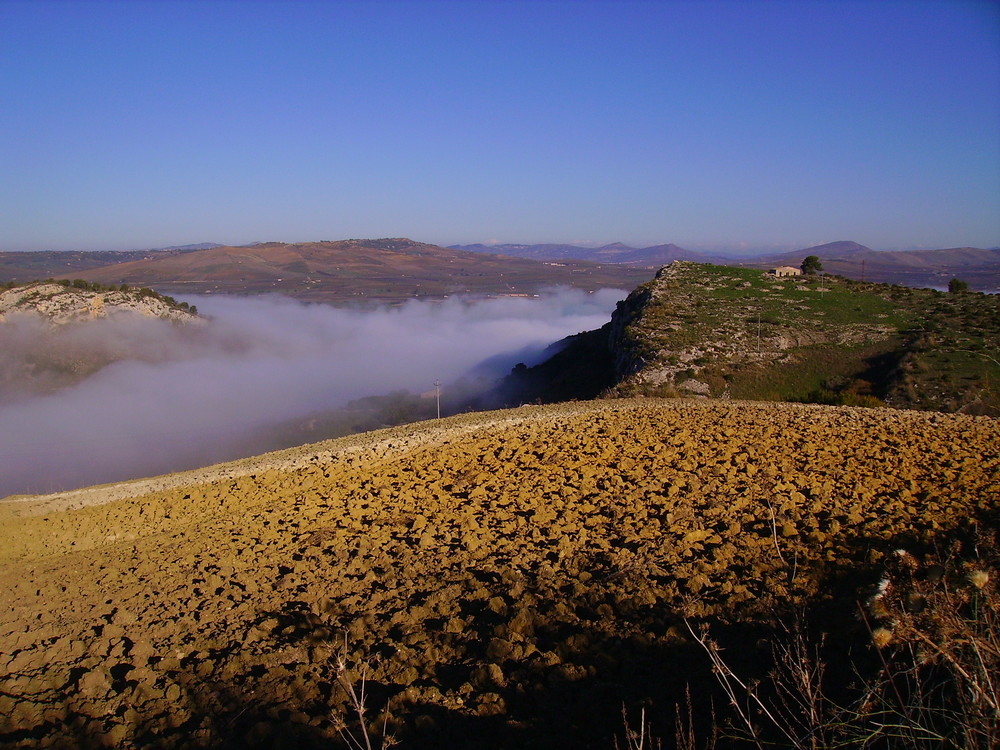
x=187, y=397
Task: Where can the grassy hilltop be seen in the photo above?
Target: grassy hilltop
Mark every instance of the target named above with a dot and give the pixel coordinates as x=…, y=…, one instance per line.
x=700, y=329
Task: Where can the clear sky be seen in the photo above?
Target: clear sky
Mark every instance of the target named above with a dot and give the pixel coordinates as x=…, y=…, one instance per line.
x=708, y=124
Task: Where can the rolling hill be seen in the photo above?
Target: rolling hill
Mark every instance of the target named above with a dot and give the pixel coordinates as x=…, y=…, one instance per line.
x=980, y=268
x=356, y=271
x=390, y=270
x=721, y=331
x=616, y=252
x=915, y=268
x=22, y=267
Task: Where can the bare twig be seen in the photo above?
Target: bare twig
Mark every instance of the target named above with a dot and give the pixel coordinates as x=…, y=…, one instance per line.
x=774, y=532
x=357, y=698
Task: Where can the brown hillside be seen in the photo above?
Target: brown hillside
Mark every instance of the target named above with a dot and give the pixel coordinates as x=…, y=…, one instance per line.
x=916, y=268
x=357, y=270
x=511, y=578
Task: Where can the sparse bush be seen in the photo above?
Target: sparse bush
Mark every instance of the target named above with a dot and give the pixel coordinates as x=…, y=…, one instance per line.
x=936, y=623
x=935, y=627
x=358, y=734
x=864, y=400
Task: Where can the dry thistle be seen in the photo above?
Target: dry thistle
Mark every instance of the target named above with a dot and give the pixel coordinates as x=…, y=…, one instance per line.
x=979, y=579
x=881, y=637
x=907, y=559
x=880, y=609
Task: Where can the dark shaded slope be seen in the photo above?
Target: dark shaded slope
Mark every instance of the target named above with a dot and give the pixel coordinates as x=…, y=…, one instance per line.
x=582, y=369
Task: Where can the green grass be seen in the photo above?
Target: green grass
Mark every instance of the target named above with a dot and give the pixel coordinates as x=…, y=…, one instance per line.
x=814, y=370
x=819, y=338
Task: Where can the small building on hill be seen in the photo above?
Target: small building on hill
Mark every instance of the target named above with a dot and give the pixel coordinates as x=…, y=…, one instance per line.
x=785, y=271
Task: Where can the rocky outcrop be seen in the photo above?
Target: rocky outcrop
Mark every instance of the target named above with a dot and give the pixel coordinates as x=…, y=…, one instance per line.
x=61, y=305
x=53, y=335
x=693, y=317
x=718, y=331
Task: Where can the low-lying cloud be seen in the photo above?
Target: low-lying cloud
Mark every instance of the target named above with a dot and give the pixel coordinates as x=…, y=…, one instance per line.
x=191, y=396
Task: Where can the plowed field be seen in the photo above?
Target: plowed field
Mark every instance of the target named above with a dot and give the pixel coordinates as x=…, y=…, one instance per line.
x=507, y=579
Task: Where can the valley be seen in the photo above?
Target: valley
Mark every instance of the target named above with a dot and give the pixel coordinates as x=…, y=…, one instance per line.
x=376, y=271
x=500, y=375
x=347, y=272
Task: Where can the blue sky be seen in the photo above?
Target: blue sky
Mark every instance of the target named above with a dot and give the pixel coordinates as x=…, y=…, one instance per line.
x=709, y=124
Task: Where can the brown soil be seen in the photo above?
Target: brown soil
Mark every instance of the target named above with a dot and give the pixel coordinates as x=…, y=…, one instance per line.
x=510, y=579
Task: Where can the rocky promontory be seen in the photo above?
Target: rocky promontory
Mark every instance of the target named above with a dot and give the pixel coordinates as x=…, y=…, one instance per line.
x=705, y=330
x=63, y=304
x=56, y=334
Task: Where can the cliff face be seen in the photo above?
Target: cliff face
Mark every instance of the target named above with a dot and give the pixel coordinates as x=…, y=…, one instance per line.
x=625, y=350
x=60, y=305
x=704, y=330
x=54, y=336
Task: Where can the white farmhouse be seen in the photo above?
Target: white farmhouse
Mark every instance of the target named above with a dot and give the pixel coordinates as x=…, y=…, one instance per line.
x=785, y=271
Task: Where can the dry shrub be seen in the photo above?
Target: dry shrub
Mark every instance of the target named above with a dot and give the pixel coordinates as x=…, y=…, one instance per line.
x=638, y=739
x=935, y=623
x=356, y=729
x=935, y=630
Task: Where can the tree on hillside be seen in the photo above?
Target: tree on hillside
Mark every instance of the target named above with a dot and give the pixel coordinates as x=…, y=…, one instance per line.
x=955, y=286
x=811, y=264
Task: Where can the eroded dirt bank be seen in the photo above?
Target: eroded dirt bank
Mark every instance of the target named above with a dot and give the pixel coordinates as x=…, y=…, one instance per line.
x=510, y=578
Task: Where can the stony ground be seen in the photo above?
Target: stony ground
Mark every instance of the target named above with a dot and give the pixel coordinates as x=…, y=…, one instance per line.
x=507, y=579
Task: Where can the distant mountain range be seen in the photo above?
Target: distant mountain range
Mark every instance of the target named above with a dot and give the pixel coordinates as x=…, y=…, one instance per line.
x=349, y=270
x=396, y=269
x=919, y=268
x=616, y=252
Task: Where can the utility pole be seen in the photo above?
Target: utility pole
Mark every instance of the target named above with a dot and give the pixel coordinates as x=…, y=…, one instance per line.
x=758, y=330
x=437, y=395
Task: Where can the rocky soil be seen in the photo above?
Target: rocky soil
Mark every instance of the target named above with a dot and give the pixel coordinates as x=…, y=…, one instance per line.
x=507, y=579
